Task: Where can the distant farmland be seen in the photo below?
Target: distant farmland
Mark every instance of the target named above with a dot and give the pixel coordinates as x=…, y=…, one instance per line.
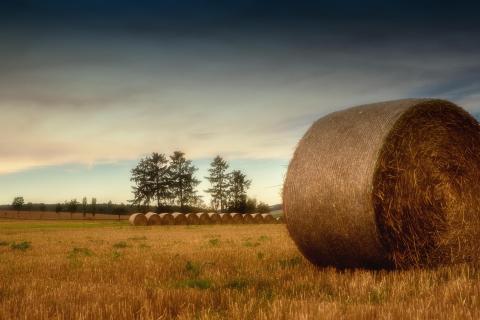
x=50, y=215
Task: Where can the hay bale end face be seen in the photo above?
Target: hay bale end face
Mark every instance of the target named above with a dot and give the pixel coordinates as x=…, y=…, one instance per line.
x=226, y=218
x=204, y=218
x=153, y=219
x=391, y=184
x=237, y=218
x=257, y=218
x=248, y=218
x=268, y=218
x=167, y=219
x=138, y=219
x=192, y=219
x=215, y=217
x=179, y=218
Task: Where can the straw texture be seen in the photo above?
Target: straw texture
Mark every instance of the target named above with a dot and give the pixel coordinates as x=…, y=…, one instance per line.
x=180, y=218
x=204, y=218
x=167, y=219
x=392, y=184
x=192, y=218
x=215, y=218
x=268, y=218
x=138, y=219
x=153, y=219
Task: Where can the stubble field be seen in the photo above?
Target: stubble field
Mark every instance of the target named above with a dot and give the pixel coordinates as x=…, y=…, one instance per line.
x=110, y=270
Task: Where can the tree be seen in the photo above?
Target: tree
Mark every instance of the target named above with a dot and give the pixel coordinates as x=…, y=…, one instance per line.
x=151, y=178
x=72, y=206
x=58, y=208
x=251, y=205
x=84, y=207
x=262, y=207
x=94, y=206
x=17, y=203
x=119, y=210
x=42, y=207
x=238, y=185
x=29, y=206
x=218, y=179
x=182, y=181
x=110, y=207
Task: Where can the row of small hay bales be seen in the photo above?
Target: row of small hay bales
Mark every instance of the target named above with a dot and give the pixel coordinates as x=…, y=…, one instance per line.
x=177, y=218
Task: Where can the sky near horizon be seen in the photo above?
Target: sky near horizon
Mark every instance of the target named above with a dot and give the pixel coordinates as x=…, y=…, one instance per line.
x=87, y=88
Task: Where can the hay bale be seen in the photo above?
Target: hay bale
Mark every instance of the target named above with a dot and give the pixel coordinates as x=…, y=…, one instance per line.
x=257, y=218
x=280, y=219
x=215, y=218
x=248, y=218
x=167, y=219
x=204, y=218
x=267, y=218
x=237, y=218
x=392, y=184
x=192, y=219
x=138, y=219
x=180, y=218
x=153, y=219
x=226, y=218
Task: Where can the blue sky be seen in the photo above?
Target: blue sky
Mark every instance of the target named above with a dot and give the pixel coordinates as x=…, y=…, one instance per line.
x=87, y=88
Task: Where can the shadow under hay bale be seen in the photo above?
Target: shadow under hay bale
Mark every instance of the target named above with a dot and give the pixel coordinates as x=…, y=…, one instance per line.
x=237, y=218
x=267, y=218
x=167, y=219
x=226, y=218
x=153, y=219
x=192, y=219
x=138, y=219
x=391, y=184
x=179, y=218
x=215, y=218
x=204, y=218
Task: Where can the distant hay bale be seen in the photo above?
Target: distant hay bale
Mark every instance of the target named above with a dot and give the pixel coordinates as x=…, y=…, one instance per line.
x=192, y=219
x=268, y=218
x=257, y=218
x=167, y=219
x=226, y=218
x=248, y=218
x=237, y=218
x=179, y=218
x=204, y=218
x=153, y=219
x=280, y=219
x=215, y=218
x=391, y=184
x=138, y=219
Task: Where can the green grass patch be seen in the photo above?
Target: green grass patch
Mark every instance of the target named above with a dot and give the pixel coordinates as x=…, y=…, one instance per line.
x=80, y=252
x=214, y=242
x=193, y=269
x=24, y=245
x=251, y=244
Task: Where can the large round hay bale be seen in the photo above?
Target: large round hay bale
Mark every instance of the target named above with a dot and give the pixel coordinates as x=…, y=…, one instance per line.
x=257, y=218
x=204, y=218
x=167, y=219
x=248, y=218
x=267, y=218
x=215, y=218
x=237, y=218
x=391, y=184
x=153, y=219
x=226, y=218
x=192, y=219
x=138, y=219
x=179, y=218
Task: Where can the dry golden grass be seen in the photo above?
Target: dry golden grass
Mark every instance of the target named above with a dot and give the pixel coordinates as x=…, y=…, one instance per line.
x=109, y=270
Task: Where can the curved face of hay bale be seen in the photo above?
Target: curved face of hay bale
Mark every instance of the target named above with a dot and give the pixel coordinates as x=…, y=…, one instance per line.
x=167, y=219
x=192, y=219
x=392, y=184
x=153, y=219
x=215, y=217
x=280, y=219
x=248, y=218
x=268, y=218
x=180, y=218
x=204, y=218
x=138, y=219
x=226, y=218
x=237, y=218
x=257, y=218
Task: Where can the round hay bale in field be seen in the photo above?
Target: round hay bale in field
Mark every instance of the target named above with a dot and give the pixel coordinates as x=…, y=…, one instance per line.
x=215, y=218
x=257, y=218
x=192, y=219
x=237, y=218
x=204, y=218
x=167, y=219
x=268, y=218
x=248, y=218
x=180, y=218
x=153, y=219
x=138, y=219
x=226, y=218
x=391, y=184
x=280, y=219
